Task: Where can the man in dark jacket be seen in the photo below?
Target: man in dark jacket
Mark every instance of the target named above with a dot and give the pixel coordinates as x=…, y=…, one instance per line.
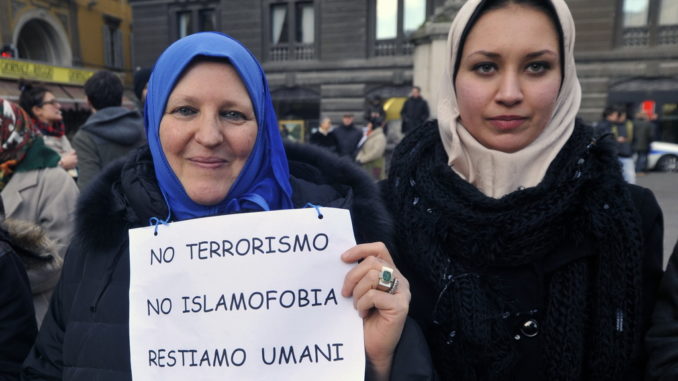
x=348, y=136
x=414, y=112
x=112, y=130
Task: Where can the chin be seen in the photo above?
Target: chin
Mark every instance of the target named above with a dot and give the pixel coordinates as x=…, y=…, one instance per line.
x=207, y=197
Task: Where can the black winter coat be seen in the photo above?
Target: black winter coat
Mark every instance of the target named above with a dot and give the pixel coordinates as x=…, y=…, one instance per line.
x=17, y=316
x=348, y=138
x=662, y=338
x=85, y=334
x=413, y=114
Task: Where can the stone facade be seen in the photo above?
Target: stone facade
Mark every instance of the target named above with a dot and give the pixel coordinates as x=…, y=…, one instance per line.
x=345, y=63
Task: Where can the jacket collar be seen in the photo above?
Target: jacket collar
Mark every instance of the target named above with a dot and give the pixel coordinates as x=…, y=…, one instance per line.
x=11, y=195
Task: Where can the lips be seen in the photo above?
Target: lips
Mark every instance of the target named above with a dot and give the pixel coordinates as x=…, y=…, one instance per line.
x=207, y=162
x=507, y=122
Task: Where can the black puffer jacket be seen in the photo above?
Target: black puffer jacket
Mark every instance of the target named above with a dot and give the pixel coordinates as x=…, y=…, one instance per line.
x=85, y=333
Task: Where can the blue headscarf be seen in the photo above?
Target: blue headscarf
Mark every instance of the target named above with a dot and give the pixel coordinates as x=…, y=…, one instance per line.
x=263, y=183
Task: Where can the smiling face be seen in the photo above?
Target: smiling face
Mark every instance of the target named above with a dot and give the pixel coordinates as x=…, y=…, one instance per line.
x=207, y=132
x=49, y=111
x=509, y=77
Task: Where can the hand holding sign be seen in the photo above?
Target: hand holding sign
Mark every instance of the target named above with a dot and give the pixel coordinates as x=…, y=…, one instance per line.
x=383, y=313
x=252, y=296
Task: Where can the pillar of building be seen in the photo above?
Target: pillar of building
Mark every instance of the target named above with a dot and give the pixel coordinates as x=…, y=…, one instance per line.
x=430, y=50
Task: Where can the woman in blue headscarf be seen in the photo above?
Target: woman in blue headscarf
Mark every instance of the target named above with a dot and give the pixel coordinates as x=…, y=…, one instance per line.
x=213, y=148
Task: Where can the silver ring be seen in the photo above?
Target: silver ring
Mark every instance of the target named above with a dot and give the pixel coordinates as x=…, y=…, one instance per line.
x=386, y=279
x=394, y=286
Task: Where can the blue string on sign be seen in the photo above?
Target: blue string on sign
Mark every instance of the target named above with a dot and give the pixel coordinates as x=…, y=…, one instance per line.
x=317, y=209
x=155, y=221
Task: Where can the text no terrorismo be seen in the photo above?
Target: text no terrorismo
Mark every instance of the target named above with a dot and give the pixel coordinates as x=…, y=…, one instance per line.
x=202, y=250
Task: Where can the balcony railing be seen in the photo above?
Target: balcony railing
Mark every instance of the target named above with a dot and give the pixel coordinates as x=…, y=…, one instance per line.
x=393, y=47
x=667, y=35
x=649, y=36
x=296, y=52
x=637, y=36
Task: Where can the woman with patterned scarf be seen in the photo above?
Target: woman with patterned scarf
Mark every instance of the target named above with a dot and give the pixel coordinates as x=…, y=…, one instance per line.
x=45, y=112
x=528, y=255
x=35, y=191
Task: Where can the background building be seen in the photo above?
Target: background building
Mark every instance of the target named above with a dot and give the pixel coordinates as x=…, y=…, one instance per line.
x=61, y=43
x=322, y=57
x=326, y=57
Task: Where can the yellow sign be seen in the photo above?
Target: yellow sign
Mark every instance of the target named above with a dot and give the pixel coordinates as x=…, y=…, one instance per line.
x=392, y=106
x=18, y=69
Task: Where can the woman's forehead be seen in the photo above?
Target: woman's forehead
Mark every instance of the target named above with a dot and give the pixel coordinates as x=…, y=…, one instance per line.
x=512, y=27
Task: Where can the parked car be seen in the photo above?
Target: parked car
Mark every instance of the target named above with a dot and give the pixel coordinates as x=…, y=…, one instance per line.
x=663, y=157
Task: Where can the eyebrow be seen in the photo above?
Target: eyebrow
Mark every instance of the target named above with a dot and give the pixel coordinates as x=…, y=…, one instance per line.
x=538, y=53
x=181, y=98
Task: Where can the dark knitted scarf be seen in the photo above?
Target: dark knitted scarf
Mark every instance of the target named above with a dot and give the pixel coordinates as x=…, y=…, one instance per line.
x=449, y=232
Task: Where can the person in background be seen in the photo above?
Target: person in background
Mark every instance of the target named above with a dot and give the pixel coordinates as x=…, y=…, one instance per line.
x=324, y=136
x=17, y=316
x=141, y=78
x=614, y=124
x=110, y=132
x=610, y=116
x=375, y=112
x=662, y=337
x=348, y=136
x=214, y=148
x=36, y=191
x=529, y=257
x=40, y=258
x=623, y=132
x=414, y=112
x=642, y=138
x=371, y=152
x=45, y=112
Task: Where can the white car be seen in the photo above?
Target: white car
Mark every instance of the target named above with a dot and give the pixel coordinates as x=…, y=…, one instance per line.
x=663, y=157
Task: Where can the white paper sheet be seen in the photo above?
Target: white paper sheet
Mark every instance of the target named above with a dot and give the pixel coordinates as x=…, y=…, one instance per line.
x=253, y=296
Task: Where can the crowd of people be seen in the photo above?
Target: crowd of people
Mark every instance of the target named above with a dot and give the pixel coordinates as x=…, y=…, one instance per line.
x=506, y=239
x=632, y=136
x=366, y=145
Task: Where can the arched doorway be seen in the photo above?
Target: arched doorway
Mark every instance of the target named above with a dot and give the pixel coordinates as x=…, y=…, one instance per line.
x=41, y=38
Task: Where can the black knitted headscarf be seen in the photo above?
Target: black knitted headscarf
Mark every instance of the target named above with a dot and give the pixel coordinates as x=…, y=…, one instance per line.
x=448, y=232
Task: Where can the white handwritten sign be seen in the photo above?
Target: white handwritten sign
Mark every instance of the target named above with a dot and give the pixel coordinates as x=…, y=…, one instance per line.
x=253, y=296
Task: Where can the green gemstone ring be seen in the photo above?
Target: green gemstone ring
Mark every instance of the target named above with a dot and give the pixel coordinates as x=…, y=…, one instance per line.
x=385, y=279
